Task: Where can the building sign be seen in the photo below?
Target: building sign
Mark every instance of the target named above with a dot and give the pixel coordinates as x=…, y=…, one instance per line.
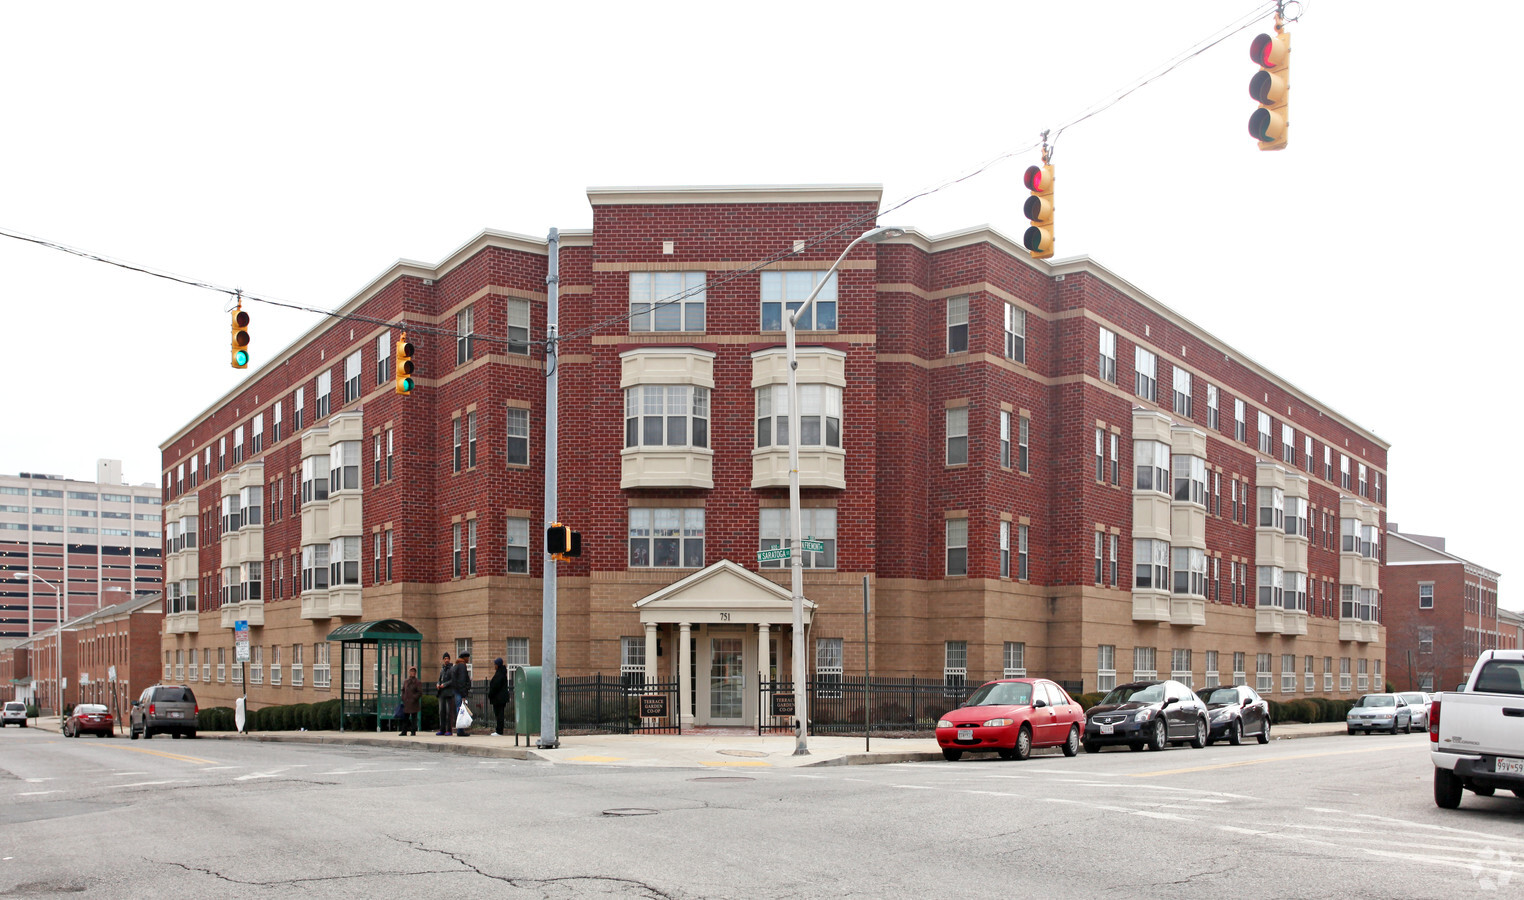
x=653, y=706
x=783, y=704
x=241, y=641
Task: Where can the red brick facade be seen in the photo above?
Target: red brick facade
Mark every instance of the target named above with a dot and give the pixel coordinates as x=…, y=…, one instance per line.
x=1441, y=612
x=891, y=336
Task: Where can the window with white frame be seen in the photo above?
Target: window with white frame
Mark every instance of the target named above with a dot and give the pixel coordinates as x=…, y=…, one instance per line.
x=1015, y=333
x=1344, y=680
x=222, y=664
x=344, y=466
x=192, y=670
x=1005, y=439
x=388, y=554
x=1189, y=571
x=1023, y=444
x=1015, y=660
x=258, y=426
x=1146, y=366
x=275, y=435
x=957, y=546
x=297, y=674
x=1288, y=673
x=516, y=652
x=179, y=665
x=667, y=538
x=275, y=667
x=517, y=446
x=1115, y=458
x=1151, y=465
x=1239, y=675
x=1105, y=667
x=1309, y=678
x=667, y=301
x=457, y=453
x=517, y=311
x=1108, y=355
x=324, y=393
x=517, y=560
x=1212, y=416
x=237, y=671
x=1190, y=479
x=1100, y=454
x=957, y=324
x=1272, y=586
x=321, y=677
x=1239, y=423
x=1183, y=390
x=1360, y=484
x=237, y=444
x=955, y=666
x=385, y=368
x=314, y=567
x=256, y=664
x=1151, y=560
x=1264, y=432
x=1307, y=454
x=957, y=435
x=1425, y=641
x=471, y=547
x=775, y=530
x=1100, y=558
x=1211, y=680
x=1180, y=666
x=471, y=439
x=455, y=551
x=251, y=502
x=1005, y=549
x=1426, y=596
x=1272, y=507
x=344, y=561
x=1114, y=540
x=352, y=659
x=632, y=661
x=253, y=576
x=352, y=367
x=828, y=666
x=819, y=415
x=1264, y=679
x=1296, y=591
x=465, y=328
x=1363, y=681
x=1023, y=555
x=671, y=415
x=1296, y=516
x=1343, y=471
x=785, y=292
x=1144, y=664
x=1288, y=444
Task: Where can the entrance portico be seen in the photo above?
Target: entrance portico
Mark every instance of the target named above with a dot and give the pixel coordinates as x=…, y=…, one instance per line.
x=730, y=626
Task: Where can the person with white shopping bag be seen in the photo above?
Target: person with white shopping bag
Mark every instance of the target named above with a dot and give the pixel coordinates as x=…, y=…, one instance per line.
x=460, y=680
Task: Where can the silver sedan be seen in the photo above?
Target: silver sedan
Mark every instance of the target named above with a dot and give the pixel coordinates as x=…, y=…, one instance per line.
x=1418, y=703
x=1380, y=712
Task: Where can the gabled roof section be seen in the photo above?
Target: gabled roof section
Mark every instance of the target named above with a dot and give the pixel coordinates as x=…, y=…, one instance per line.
x=723, y=587
x=1404, y=550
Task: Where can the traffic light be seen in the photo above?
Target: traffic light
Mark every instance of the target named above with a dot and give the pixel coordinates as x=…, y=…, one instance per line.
x=1039, y=208
x=404, y=365
x=240, y=338
x=561, y=542
x=1269, y=87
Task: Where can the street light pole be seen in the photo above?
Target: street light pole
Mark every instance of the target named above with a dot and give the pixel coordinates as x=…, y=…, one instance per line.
x=796, y=518
x=57, y=638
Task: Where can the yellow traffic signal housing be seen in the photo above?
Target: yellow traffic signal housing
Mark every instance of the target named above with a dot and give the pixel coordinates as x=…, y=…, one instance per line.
x=1270, y=88
x=1039, y=208
x=240, y=340
x=404, y=383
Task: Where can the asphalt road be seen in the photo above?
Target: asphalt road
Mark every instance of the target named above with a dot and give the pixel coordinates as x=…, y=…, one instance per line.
x=1304, y=818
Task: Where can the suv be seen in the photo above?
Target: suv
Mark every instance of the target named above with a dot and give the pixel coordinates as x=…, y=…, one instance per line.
x=164, y=708
x=1150, y=714
x=15, y=711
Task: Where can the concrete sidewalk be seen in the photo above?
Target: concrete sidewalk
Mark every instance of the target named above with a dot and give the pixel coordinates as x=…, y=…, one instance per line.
x=734, y=749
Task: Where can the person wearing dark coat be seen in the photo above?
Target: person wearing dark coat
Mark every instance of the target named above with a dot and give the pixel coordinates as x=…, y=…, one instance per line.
x=412, y=698
x=460, y=680
x=445, y=690
x=497, y=692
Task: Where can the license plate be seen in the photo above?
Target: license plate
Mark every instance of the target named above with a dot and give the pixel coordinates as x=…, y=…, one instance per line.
x=965, y=734
x=1107, y=729
x=177, y=715
x=1508, y=766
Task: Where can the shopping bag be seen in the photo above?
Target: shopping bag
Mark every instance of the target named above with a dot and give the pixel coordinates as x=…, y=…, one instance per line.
x=463, y=718
x=399, y=712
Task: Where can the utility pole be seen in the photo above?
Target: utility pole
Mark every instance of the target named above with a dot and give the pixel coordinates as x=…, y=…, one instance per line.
x=548, y=740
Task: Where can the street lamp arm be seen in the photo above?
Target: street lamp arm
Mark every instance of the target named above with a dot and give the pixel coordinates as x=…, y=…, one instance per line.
x=793, y=319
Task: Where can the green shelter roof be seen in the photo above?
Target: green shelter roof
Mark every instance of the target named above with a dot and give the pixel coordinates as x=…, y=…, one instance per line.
x=381, y=630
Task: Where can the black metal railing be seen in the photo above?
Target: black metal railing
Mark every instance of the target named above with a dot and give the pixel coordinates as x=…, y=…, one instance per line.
x=840, y=704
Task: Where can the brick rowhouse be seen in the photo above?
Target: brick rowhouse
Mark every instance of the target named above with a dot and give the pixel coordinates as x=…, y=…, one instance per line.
x=1441, y=613
x=970, y=422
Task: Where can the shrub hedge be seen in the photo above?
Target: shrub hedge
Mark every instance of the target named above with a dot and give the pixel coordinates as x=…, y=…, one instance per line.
x=321, y=716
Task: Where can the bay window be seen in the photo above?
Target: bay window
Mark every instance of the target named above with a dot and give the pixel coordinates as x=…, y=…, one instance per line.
x=666, y=415
x=819, y=415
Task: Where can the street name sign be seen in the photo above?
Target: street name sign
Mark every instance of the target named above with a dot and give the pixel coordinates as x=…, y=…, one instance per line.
x=775, y=553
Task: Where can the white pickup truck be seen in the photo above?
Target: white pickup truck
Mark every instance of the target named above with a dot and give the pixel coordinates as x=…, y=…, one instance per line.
x=1476, y=735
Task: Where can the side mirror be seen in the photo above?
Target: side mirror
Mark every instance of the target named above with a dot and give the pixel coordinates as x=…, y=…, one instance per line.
x=1246, y=702
x=1039, y=704
x=1171, y=700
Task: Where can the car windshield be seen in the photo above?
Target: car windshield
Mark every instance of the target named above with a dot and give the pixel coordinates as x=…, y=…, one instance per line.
x=1002, y=693
x=15, y=706
x=1222, y=695
x=1372, y=700
x=1412, y=698
x=174, y=695
x=1135, y=693
x=89, y=709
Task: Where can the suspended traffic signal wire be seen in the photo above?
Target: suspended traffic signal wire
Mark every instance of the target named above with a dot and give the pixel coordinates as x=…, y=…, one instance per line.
x=1240, y=24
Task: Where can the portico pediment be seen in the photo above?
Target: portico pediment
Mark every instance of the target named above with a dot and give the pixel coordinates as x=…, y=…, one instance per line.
x=722, y=592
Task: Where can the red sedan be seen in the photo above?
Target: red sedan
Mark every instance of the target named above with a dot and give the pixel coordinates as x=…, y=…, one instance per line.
x=1010, y=717
x=87, y=718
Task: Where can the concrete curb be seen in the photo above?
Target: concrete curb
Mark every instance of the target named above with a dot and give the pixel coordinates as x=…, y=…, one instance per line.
x=457, y=749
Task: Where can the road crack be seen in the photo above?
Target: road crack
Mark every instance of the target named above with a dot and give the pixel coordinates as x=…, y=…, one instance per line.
x=524, y=882
x=279, y=881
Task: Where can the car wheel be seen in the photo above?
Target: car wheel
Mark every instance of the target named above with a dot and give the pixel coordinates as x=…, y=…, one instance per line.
x=101, y=734
x=1023, y=749
x=1447, y=789
x=1072, y=745
x=175, y=735
x=1199, y=740
x=147, y=732
x=132, y=732
x=1236, y=732
x=1395, y=729
x=952, y=755
x=1484, y=791
x=1092, y=747
x=1519, y=792
x=1157, y=737
x=191, y=735
x=1264, y=733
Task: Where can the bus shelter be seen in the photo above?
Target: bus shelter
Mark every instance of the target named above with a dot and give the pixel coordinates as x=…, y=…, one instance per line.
x=375, y=657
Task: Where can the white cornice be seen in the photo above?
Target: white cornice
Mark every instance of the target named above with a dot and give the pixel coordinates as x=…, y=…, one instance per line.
x=737, y=193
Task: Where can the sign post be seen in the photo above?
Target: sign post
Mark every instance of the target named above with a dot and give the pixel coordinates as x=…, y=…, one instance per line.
x=241, y=657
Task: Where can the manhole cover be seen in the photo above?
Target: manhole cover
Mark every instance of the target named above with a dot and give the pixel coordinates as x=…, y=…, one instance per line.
x=631, y=811
x=724, y=778
x=750, y=754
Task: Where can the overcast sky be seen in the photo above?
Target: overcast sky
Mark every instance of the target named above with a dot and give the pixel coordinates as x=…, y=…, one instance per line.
x=298, y=151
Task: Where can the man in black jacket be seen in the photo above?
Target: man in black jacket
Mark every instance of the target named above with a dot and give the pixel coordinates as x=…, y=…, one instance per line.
x=446, y=694
x=460, y=680
x=497, y=692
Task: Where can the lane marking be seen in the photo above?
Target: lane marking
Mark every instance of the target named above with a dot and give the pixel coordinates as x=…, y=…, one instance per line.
x=37, y=793
x=1256, y=762
x=916, y=787
x=121, y=774
x=737, y=762
x=149, y=783
x=175, y=756
x=1426, y=825
x=215, y=768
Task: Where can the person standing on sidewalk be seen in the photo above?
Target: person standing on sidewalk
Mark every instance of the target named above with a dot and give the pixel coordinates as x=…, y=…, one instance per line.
x=445, y=690
x=460, y=679
x=412, y=698
x=497, y=693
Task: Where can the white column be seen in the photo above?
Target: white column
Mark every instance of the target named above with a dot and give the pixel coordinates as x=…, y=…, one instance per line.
x=651, y=674
x=685, y=670
x=762, y=647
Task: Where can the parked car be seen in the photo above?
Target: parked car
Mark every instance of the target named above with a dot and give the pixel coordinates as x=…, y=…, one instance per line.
x=1379, y=712
x=1234, y=713
x=1418, y=704
x=1149, y=714
x=14, y=714
x=164, y=708
x=92, y=718
x=1010, y=717
x=1476, y=736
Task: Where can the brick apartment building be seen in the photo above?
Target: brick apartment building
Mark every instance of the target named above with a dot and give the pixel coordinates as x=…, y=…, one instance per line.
x=1040, y=468
x=16, y=670
x=1441, y=612
x=86, y=539
x=122, y=639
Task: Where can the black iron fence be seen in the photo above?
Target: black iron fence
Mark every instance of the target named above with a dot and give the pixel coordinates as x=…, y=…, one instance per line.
x=846, y=705
x=599, y=703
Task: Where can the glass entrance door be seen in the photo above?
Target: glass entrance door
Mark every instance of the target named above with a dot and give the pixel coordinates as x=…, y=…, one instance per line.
x=727, y=680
